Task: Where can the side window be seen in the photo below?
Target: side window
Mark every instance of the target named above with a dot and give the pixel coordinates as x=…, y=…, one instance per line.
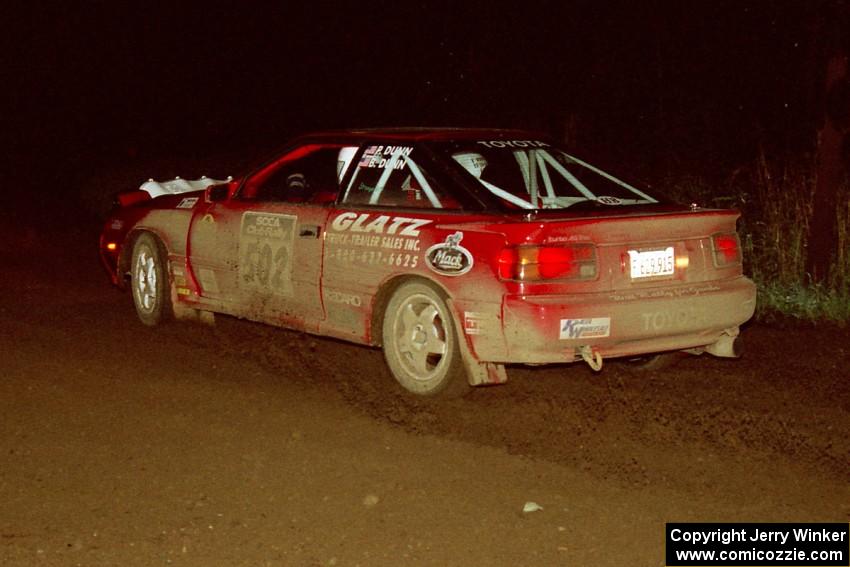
x=309, y=174
x=391, y=176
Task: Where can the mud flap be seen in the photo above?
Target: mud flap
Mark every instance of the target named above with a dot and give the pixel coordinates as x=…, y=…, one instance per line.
x=181, y=311
x=478, y=373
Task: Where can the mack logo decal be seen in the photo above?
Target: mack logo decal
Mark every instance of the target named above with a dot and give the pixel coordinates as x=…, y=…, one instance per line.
x=449, y=258
x=593, y=328
x=381, y=224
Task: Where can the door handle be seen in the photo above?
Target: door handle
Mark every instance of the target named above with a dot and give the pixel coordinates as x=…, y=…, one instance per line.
x=309, y=231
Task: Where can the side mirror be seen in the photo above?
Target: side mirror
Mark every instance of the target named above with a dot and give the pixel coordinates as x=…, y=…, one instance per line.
x=217, y=193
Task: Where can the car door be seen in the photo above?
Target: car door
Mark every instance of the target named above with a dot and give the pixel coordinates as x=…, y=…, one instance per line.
x=270, y=239
x=211, y=248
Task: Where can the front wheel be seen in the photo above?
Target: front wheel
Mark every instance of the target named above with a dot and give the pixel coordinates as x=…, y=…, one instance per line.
x=420, y=342
x=149, y=281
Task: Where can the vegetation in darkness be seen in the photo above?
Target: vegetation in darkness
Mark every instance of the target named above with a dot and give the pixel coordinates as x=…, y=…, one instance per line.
x=775, y=198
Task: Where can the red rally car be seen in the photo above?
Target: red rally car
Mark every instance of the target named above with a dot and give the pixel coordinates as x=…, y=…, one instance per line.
x=457, y=251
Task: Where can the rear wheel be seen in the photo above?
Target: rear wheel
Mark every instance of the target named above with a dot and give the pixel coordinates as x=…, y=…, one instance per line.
x=420, y=342
x=149, y=281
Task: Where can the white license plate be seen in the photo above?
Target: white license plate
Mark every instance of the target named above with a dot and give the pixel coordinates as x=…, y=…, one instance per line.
x=651, y=263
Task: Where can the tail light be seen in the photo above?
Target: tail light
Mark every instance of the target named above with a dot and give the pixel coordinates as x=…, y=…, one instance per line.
x=727, y=249
x=537, y=263
x=129, y=198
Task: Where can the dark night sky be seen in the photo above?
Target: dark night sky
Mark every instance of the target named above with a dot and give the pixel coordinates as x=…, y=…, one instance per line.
x=704, y=82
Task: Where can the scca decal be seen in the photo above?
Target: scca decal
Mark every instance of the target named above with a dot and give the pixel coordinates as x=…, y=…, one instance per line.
x=382, y=224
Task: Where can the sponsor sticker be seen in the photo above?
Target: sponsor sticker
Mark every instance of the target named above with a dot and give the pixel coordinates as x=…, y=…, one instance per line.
x=208, y=280
x=593, y=328
x=380, y=156
x=378, y=224
x=567, y=238
x=606, y=200
x=343, y=298
x=375, y=240
x=265, y=252
x=472, y=322
x=449, y=258
x=513, y=144
x=187, y=203
x=683, y=318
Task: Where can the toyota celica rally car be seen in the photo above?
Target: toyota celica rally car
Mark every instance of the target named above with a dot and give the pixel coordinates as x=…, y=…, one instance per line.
x=457, y=251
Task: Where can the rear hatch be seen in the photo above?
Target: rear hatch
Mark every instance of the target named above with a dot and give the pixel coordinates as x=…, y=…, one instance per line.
x=644, y=248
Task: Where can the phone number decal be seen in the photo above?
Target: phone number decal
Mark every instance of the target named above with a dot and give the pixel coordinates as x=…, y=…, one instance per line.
x=375, y=258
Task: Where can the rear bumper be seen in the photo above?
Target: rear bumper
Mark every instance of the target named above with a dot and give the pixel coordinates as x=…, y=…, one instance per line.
x=550, y=329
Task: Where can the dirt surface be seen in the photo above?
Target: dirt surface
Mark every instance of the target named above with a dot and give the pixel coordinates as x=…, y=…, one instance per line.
x=241, y=444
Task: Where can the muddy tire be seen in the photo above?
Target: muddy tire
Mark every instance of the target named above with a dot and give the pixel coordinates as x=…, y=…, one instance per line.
x=421, y=343
x=149, y=281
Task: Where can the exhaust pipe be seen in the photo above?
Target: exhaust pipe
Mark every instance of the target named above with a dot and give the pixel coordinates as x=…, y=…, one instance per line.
x=729, y=345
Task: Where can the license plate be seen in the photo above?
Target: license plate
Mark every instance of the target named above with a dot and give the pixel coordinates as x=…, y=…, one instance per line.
x=651, y=263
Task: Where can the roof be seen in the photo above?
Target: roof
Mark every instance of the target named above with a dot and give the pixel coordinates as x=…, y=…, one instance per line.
x=425, y=133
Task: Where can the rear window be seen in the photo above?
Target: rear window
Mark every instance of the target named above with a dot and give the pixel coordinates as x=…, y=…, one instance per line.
x=532, y=174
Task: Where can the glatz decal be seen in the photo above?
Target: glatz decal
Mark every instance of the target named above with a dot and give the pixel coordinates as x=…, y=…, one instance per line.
x=381, y=224
x=449, y=258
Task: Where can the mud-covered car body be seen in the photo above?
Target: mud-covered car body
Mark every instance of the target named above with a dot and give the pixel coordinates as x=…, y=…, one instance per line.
x=532, y=266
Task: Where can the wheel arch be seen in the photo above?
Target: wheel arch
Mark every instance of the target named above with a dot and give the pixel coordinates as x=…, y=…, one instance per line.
x=382, y=298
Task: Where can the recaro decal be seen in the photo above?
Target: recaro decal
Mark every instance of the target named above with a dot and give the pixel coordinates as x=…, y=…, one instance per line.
x=343, y=298
x=449, y=258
